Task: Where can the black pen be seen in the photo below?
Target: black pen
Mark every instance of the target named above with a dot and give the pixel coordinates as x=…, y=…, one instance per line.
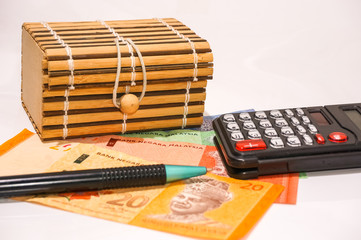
x=95, y=179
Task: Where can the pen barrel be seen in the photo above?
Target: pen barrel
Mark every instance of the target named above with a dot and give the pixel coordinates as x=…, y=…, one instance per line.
x=134, y=176
x=82, y=180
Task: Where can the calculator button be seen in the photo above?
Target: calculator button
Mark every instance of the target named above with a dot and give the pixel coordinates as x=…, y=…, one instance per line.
x=319, y=138
x=237, y=136
x=265, y=123
x=287, y=131
x=337, y=137
x=275, y=114
x=300, y=112
x=228, y=118
x=305, y=120
x=254, y=134
x=293, y=141
x=270, y=132
x=249, y=125
x=295, y=121
x=300, y=129
x=281, y=122
x=276, y=142
x=260, y=115
x=312, y=128
x=232, y=127
x=249, y=145
x=244, y=116
x=307, y=139
x=289, y=113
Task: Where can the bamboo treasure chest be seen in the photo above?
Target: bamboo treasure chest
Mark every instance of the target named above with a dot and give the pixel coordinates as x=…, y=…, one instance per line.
x=93, y=78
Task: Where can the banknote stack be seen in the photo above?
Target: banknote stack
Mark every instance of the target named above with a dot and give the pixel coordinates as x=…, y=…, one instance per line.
x=221, y=207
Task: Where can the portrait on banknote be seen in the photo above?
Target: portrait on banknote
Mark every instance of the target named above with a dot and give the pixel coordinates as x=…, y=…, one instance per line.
x=201, y=194
x=218, y=168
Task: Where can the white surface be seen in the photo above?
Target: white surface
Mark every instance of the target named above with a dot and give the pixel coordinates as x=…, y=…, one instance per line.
x=268, y=54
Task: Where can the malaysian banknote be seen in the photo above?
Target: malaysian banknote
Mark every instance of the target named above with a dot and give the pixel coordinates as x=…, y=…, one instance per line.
x=181, y=135
x=210, y=206
x=201, y=135
x=41, y=155
x=204, y=135
x=25, y=153
x=182, y=153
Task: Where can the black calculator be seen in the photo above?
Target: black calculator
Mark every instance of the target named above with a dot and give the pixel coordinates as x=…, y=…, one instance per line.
x=258, y=143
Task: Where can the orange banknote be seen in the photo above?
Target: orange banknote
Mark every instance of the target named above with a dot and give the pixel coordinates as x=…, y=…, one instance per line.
x=40, y=155
x=210, y=206
x=180, y=152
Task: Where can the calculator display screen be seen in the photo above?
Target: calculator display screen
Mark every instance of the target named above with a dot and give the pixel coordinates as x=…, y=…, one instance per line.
x=319, y=118
x=355, y=117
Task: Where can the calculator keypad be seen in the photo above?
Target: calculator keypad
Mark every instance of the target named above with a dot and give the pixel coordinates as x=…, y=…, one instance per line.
x=287, y=131
x=305, y=120
x=248, y=125
x=248, y=145
x=300, y=112
x=244, y=116
x=270, y=132
x=233, y=127
x=277, y=143
x=254, y=134
x=277, y=128
x=260, y=115
x=275, y=114
x=293, y=141
x=289, y=113
x=307, y=139
x=281, y=122
x=265, y=123
x=229, y=118
x=300, y=129
x=312, y=128
x=237, y=136
x=295, y=121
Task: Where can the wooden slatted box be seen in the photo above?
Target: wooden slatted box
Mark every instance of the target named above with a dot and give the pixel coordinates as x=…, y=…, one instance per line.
x=69, y=71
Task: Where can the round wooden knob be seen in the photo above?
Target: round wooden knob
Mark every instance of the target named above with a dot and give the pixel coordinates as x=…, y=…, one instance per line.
x=129, y=103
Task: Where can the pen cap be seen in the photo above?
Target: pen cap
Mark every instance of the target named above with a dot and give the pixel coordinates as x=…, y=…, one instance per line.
x=179, y=172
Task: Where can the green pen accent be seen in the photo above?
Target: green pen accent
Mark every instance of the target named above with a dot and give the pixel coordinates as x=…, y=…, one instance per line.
x=178, y=172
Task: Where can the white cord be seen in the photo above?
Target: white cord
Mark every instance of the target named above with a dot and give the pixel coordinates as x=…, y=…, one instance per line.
x=140, y=56
x=195, y=70
x=65, y=117
x=71, y=76
x=195, y=56
x=68, y=52
x=130, y=49
x=186, y=101
x=116, y=83
x=125, y=116
x=130, y=44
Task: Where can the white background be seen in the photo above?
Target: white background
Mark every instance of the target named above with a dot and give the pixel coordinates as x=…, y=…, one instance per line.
x=267, y=55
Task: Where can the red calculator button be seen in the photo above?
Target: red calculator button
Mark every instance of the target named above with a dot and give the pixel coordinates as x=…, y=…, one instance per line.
x=250, y=145
x=337, y=137
x=319, y=138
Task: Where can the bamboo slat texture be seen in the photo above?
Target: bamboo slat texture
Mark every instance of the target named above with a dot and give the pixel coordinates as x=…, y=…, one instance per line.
x=75, y=73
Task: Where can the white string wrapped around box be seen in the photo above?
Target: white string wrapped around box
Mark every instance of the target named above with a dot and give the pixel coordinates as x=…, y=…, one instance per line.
x=186, y=101
x=71, y=76
x=195, y=70
x=125, y=115
x=65, y=117
x=130, y=49
x=127, y=97
x=195, y=56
